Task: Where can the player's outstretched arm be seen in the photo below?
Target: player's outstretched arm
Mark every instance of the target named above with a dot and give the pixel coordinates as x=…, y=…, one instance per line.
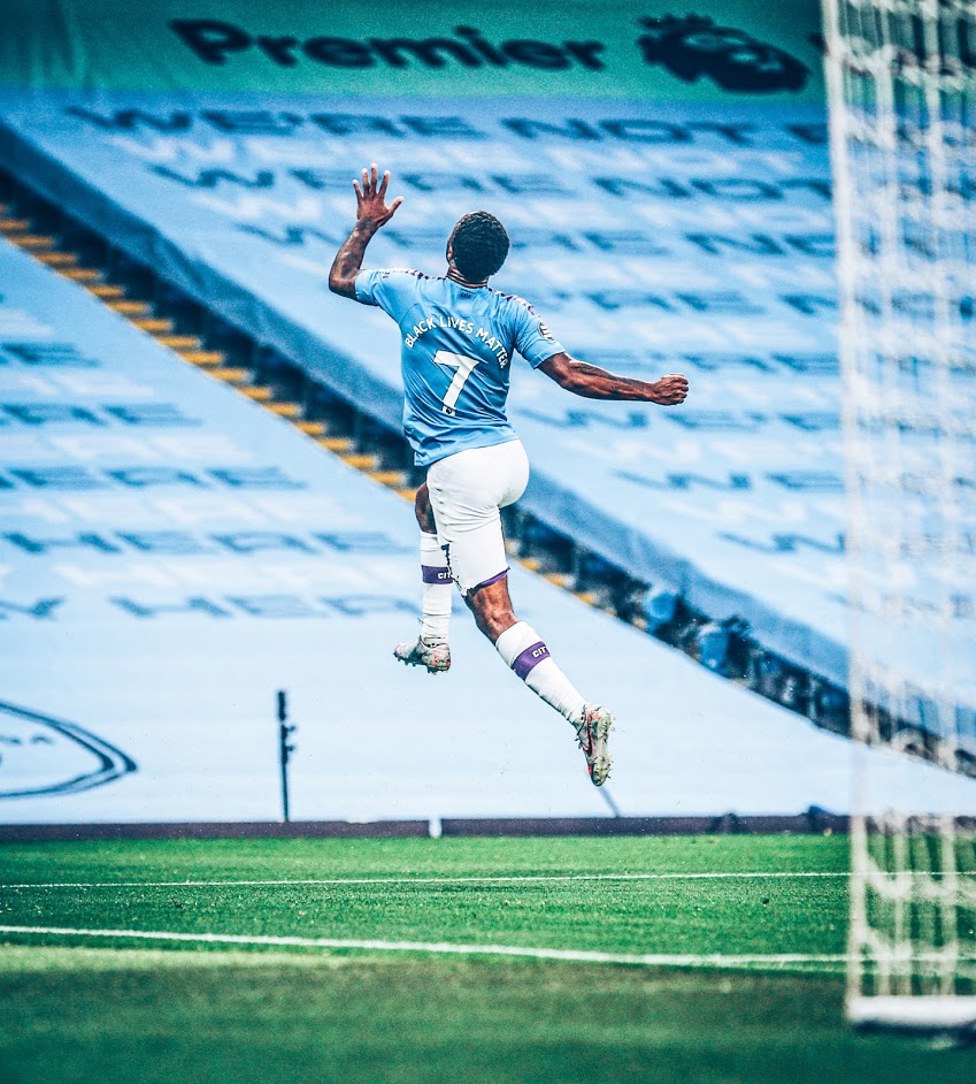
x=372, y=212
x=592, y=382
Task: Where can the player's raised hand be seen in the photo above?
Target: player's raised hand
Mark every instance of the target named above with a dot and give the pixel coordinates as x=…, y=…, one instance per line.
x=671, y=390
x=371, y=205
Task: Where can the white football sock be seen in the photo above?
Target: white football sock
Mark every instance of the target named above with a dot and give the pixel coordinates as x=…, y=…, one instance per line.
x=438, y=587
x=526, y=654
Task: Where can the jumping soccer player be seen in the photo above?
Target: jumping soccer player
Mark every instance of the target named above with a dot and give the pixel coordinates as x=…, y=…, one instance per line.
x=459, y=336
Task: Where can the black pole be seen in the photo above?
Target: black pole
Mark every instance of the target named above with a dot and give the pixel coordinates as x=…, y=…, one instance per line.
x=285, y=749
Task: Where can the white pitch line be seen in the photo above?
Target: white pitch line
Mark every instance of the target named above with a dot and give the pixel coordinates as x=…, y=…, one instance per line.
x=717, y=960
x=517, y=879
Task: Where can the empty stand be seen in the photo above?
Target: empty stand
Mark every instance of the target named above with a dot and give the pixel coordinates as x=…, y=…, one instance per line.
x=173, y=553
x=649, y=239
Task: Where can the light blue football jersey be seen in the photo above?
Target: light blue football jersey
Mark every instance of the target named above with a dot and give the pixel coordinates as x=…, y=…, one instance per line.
x=458, y=345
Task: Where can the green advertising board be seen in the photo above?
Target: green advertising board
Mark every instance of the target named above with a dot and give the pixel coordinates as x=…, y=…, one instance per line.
x=705, y=50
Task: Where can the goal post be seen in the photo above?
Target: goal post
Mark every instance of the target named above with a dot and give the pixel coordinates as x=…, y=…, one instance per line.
x=913, y=907
x=901, y=78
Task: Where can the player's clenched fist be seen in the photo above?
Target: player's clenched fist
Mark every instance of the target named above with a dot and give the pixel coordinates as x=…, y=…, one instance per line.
x=671, y=389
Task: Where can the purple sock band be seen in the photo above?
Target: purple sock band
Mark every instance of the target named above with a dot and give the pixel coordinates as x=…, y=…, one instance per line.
x=435, y=574
x=530, y=658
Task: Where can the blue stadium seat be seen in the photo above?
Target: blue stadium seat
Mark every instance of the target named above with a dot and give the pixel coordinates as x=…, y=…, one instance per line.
x=178, y=553
x=651, y=240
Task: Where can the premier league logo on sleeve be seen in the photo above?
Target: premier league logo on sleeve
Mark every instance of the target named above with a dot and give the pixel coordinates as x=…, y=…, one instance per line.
x=40, y=755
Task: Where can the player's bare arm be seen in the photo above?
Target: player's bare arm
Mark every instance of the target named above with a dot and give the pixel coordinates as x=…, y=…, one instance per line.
x=592, y=382
x=372, y=212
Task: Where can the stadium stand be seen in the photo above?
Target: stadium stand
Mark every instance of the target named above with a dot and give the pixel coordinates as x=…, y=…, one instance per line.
x=174, y=552
x=688, y=239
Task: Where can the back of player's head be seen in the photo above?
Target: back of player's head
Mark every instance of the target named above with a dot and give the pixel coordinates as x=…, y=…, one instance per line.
x=478, y=245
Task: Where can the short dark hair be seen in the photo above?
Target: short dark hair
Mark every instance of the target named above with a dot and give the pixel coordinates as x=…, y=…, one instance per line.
x=479, y=245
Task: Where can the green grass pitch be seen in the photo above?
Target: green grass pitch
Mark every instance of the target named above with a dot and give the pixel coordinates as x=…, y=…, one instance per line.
x=664, y=959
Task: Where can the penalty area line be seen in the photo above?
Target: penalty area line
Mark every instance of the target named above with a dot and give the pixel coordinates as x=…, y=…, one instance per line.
x=712, y=960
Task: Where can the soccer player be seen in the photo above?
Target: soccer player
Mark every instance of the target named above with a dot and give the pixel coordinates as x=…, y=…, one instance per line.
x=459, y=336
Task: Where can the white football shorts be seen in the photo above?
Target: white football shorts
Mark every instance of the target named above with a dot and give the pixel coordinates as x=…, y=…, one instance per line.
x=466, y=491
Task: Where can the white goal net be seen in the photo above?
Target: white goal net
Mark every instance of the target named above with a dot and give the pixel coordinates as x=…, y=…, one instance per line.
x=902, y=97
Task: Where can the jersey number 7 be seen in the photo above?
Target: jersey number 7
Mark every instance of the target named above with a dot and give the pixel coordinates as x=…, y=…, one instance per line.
x=464, y=366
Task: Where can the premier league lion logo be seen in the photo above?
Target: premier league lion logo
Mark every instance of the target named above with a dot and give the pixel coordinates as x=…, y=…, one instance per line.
x=692, y=46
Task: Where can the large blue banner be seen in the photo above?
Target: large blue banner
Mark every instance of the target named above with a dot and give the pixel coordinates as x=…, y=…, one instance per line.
x=651, y=239
x=172, y=554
